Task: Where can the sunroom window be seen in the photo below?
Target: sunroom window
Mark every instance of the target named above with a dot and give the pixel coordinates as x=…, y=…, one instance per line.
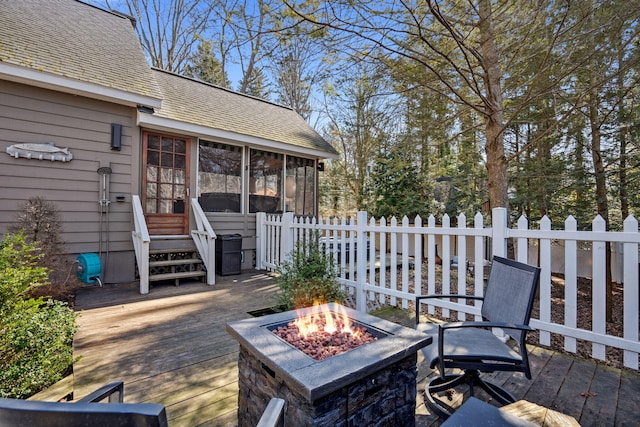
x=300, y=184
x=219, y=177
x=265, y=181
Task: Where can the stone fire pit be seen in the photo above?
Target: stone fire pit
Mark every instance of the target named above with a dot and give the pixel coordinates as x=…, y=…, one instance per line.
x=372, y=385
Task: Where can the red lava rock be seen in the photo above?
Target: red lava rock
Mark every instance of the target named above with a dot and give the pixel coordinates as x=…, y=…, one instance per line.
x=322, y=345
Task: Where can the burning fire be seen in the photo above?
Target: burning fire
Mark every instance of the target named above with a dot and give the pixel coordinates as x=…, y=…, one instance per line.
x=324, y=334
x=325, y=322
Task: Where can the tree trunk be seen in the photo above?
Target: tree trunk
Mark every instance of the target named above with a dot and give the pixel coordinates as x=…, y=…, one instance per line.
x=493, y=107
x=601, y=189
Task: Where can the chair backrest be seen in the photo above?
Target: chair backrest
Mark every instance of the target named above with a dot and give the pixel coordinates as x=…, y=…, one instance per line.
x=31, y=413
x=510, y=293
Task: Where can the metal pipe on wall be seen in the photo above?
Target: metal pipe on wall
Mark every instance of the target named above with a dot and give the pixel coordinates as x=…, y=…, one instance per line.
x=104, y=202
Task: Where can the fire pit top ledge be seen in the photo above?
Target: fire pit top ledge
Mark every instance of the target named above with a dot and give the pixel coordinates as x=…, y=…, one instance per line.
x=317, y=378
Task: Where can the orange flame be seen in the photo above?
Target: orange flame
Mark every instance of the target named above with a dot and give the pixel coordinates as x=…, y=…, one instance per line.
x=328, y=322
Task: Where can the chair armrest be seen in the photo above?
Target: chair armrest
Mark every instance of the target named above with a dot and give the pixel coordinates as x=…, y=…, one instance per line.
x=107, y=390
x=503, y=325
x=433, y=296
x=273, y=415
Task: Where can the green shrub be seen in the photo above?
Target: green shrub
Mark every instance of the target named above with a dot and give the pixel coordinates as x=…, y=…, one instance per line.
x=19, y=270
x=35, y=349
x=35, y=335
x=309, y=277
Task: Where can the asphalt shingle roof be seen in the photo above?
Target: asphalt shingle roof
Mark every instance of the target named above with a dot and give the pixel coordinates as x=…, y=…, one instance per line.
x=75, y=40
x=84, y=43
x=198, y=103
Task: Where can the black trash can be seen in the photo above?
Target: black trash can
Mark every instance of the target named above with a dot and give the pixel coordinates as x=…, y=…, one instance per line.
x=228, y=254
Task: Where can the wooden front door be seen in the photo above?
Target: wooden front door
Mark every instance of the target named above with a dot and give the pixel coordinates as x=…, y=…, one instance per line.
x=165, y=182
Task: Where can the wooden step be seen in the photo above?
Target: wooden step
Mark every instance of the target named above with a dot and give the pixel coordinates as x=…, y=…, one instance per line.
x=167, y=243
x=164, y=263
x=177, y=276
x=171, y=251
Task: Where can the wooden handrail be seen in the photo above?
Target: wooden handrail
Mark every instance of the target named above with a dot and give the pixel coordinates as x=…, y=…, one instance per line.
x=205, y=240
x=141, y=240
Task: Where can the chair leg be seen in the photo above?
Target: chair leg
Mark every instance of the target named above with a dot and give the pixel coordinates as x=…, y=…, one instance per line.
x=472, y=379
x=438, y=385
x=497, y=392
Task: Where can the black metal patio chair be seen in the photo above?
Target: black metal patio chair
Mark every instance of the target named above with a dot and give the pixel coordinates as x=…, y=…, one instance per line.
x=472, y=347
x=85, y=412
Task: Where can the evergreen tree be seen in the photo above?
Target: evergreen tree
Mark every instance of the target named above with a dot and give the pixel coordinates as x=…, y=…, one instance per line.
x=398, y=187
x=205, y=67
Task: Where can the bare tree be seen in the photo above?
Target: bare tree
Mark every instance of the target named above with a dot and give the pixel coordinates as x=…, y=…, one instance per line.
x=469, y=49
x=168, y=30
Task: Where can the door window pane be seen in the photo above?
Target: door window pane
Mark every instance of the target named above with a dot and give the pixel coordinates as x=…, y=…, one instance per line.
x=167, y=144
x=166, y=175
x=180, y=146
x=166, y=207
x=152, y=190
x=166, y=191
x=180, y=161
x=152, y=205
x=153, y=142
x=152, y=174
x=153, y=157
x=179, y=177
x=167, y=159
x=219, y=177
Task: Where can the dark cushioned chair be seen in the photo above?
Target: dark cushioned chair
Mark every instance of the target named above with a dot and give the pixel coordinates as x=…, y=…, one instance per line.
x=472, y=347
x=85, y=412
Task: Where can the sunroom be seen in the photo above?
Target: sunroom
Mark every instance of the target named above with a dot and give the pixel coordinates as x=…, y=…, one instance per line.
x=211, y=159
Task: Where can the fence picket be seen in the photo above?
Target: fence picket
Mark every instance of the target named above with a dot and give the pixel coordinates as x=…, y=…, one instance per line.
x=417, y=258
x=383, y=259
x=393, y=261
x=462, y=263
x=598, y=290
x=570, y=284
x=371, y=256
x=545, y=281
x=431, y=261
x=405, y=262
x=478, y=269
x=631, y=295
x=446, y=263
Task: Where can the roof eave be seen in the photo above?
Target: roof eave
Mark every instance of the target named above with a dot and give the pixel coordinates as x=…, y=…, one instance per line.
x=162, y=123
x=60, y=83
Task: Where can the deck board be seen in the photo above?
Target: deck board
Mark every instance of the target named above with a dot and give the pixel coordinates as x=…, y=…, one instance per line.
x=171, y=347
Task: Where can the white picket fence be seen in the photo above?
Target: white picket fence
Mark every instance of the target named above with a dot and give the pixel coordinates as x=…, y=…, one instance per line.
x=389, y=269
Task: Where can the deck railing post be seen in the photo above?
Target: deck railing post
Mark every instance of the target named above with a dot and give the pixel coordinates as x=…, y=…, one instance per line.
x=261, y=234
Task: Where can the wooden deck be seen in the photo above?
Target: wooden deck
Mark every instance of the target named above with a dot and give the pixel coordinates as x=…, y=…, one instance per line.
x=171, y=347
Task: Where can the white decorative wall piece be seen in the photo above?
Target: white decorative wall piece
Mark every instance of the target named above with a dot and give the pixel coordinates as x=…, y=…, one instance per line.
x=40, y=151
